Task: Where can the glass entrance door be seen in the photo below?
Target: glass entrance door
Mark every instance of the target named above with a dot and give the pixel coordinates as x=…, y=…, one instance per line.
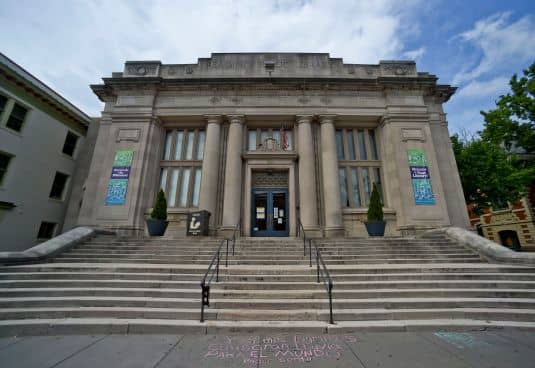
x=270, y=212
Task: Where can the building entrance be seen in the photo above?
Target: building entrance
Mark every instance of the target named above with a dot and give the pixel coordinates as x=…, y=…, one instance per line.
x=269, y=212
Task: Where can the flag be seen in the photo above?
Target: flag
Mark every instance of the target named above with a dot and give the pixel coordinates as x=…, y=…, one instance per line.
x=284, y=139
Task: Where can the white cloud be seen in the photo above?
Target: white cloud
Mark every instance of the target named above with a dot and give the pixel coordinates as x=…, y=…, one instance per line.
x=414, y=54
x=492, y=87
x=500, y=42
x=72, y=44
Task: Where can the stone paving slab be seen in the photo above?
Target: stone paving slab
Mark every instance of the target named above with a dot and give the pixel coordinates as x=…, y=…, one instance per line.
x=484, y=349
x=498, y=348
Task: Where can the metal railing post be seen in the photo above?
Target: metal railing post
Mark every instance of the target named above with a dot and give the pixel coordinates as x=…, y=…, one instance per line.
x=217, y=266
x=331, y=321
x=310, y=251
x=226, y=259
x=318, y=264
x=202, y=302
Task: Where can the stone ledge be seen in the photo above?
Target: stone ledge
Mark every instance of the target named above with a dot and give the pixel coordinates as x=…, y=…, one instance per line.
x=50, y=247
x=487, y=248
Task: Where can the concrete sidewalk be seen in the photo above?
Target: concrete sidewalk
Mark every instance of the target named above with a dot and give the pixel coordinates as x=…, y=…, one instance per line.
x=497, y=348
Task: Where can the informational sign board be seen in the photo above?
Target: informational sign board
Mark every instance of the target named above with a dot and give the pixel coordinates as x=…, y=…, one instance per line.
x=421, y=180
x=198, y=223
x=120, y=173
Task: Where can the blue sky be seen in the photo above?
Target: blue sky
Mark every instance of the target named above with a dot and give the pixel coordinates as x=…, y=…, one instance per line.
x=474, y=45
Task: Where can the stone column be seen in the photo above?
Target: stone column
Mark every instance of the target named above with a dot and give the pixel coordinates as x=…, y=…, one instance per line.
x=331, y=182
x=210, y=166
x=233, y=174
x=307, y=175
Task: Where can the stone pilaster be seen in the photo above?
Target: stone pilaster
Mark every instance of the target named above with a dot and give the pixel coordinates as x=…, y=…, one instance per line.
x=331, y=182
x=307, y=175
x=233, y=174
x=210, y=166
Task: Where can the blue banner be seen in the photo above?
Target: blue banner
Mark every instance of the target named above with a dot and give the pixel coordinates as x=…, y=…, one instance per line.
x=120, y=173
x=421, y=180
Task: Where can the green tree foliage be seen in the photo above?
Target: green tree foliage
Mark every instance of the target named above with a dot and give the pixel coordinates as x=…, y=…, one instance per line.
x=159, y=211
x=512, y=122
x=375, y=209
x=489, y=174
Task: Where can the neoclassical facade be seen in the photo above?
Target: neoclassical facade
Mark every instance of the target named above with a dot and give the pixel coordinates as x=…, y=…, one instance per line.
x=268, y=139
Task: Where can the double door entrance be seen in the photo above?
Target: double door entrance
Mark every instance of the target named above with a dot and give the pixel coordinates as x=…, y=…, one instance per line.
x=269, y=212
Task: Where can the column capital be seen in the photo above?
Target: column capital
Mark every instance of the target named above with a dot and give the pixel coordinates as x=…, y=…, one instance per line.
x=305, y=118
x=213, y=118
x=236, y=119
x=327, y=118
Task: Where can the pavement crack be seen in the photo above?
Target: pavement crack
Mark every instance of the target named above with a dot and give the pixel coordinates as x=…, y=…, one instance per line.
x=355, y=354
x=78, y=351
x=168, y=352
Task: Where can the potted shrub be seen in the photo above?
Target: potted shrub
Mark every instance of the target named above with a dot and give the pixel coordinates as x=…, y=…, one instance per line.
x=157, y=223
x=375, y=224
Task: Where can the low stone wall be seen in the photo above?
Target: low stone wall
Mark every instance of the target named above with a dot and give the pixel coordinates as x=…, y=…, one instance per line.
x=50, y=247
x=488, y=249
x=353, y=221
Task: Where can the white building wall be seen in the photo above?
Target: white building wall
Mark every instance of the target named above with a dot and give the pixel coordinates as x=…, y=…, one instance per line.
x=37, y=152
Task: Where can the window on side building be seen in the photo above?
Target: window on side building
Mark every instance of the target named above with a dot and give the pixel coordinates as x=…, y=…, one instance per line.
x=359, y=166
x=69, y=146
x=5, y=159
x=46, y=230
x=181, y=164
x=58, y=186
x=3, y=103
x=16, y=118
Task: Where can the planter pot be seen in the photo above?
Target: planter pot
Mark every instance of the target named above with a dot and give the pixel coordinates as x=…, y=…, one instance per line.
x=156, y=227
x=376, y=228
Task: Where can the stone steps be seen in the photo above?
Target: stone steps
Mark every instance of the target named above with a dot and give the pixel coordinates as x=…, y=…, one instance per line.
x=310, y=292
x=264, y=285
x=176, y=327
x=499, y=314
x=146, y=285
x=275, y=262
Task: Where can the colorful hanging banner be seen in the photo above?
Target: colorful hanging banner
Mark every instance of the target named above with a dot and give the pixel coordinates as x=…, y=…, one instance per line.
x=120, y=173
x=421, y=180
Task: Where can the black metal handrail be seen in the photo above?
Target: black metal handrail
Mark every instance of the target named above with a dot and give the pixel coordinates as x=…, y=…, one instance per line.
x=213, y=269
x=321, y=269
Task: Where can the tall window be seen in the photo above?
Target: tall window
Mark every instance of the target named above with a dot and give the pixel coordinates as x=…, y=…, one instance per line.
x=3, y=103
x=58, y=186
x=257, y=137
x=4, y=163
x=46, y=230
x=358, y=166
x=70, y=144
x=181, y=164
x=16, y=118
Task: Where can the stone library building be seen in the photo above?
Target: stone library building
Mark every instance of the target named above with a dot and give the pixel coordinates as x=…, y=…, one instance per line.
x=266, y=140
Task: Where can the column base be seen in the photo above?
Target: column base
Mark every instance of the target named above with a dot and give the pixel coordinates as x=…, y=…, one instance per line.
x=227, y=231
x=313, y=232
x=334, y=232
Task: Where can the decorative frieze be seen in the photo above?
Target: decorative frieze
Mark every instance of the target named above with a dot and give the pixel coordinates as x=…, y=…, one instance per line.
x=141, y=69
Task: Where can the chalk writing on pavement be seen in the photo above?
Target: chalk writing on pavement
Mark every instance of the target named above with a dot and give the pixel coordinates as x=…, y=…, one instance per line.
x=249, y=351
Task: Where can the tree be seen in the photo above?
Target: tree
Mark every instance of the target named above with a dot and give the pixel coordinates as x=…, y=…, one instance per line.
x=512, y=122
x=159, y=211
x=489, y=174
x=375, y=208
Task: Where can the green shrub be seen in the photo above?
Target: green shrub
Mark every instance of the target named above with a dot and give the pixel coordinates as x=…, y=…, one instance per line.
x=375, y=209
x=159, y=211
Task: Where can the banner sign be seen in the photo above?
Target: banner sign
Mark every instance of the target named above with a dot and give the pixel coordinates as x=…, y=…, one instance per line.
x=120, y=172
x=419, y=172
x=421, y=180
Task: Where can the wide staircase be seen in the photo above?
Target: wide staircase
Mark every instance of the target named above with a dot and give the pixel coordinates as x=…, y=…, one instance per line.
x=130, y=285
